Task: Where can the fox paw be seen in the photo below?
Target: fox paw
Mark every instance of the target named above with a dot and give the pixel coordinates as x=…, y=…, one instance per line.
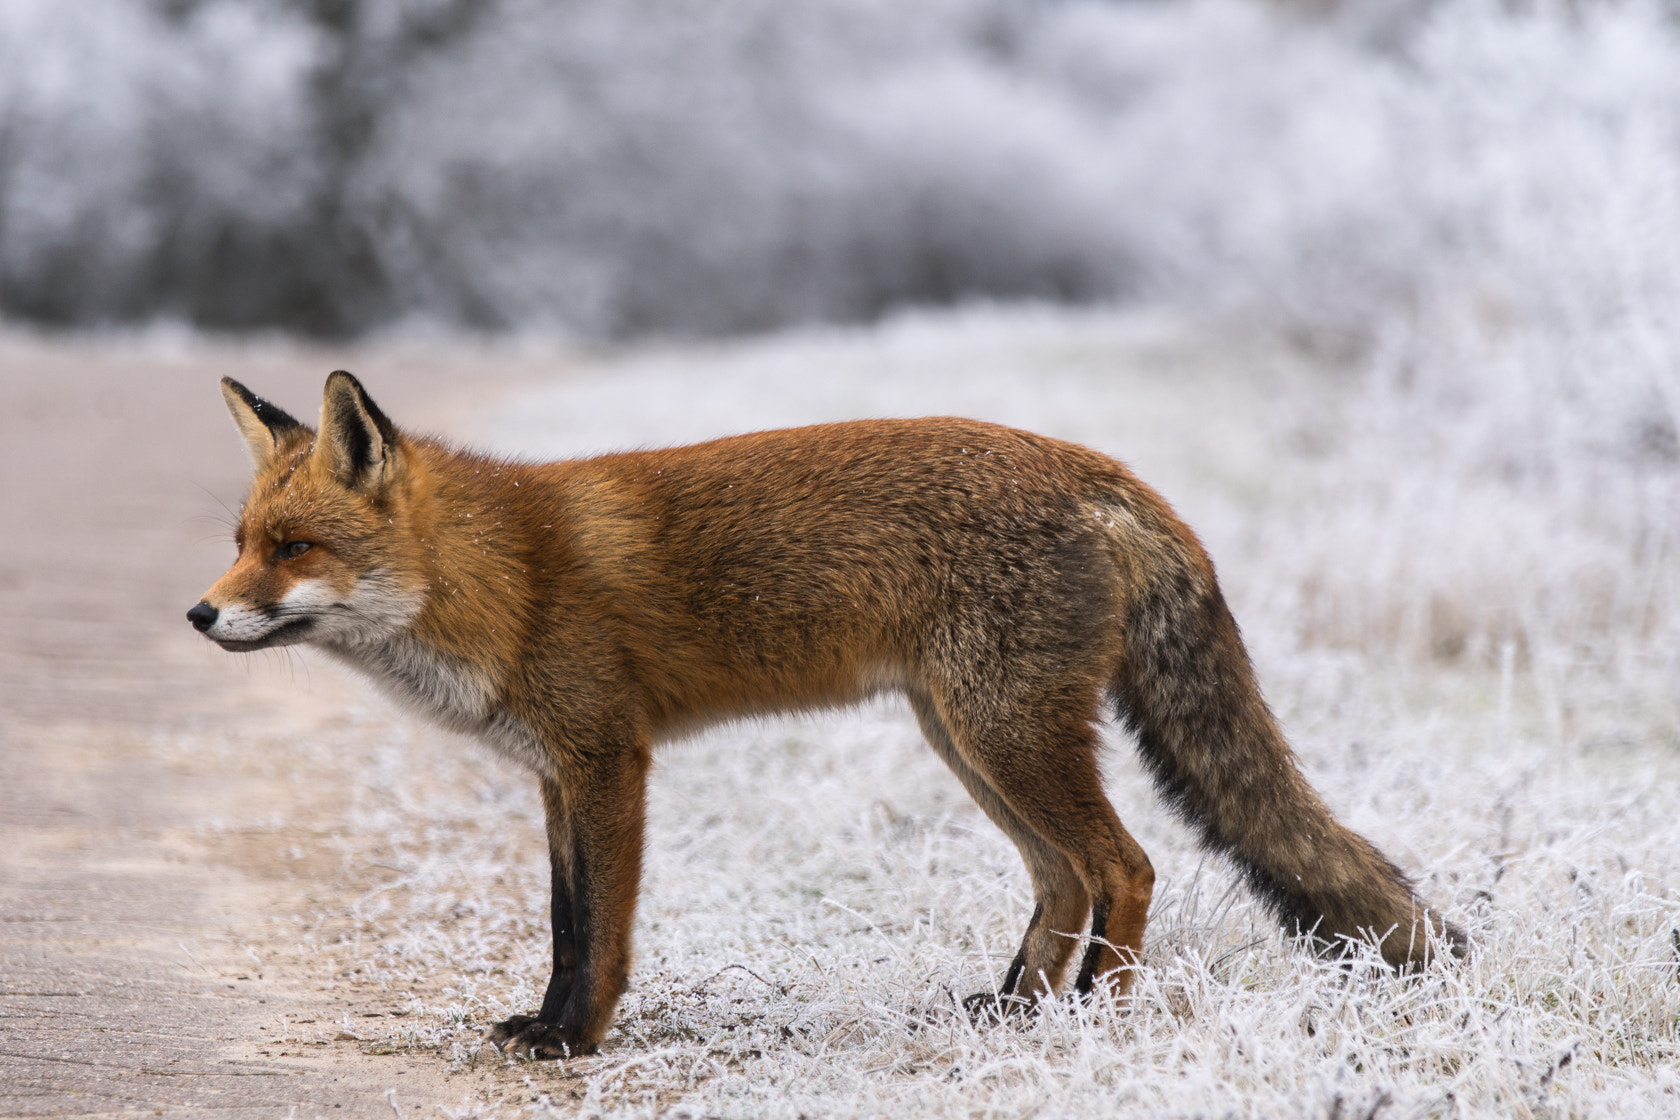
x=525, y=1036
x=986, y=1008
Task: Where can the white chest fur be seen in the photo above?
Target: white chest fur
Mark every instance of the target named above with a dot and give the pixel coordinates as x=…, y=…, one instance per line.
x=448, y=690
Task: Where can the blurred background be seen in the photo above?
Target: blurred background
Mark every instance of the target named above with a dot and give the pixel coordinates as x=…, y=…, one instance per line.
x=626, y=167
x=1466, y=211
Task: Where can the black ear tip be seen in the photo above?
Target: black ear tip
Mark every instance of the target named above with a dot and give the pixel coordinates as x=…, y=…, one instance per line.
x=276, y=419
x=339, y=376
x=342, y=378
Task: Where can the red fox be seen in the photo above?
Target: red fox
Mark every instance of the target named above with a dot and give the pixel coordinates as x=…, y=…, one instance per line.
x=1014, y=588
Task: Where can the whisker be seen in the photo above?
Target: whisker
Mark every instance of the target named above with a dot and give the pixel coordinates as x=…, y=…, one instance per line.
x=303, y=662
x=232, y=514
x=292, y=612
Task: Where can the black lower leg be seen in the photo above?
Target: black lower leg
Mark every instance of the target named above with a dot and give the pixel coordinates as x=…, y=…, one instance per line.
x=1093, y=951
x=564, y=918
x=1012, y=978
x=997, y=1004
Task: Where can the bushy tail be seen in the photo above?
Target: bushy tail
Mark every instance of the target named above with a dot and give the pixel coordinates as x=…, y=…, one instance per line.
x=1187, y=689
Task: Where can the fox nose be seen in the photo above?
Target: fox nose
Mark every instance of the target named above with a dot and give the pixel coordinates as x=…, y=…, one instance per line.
x=202, y=617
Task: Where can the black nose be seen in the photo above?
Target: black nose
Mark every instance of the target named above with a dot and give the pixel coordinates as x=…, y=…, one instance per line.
x=202, y=617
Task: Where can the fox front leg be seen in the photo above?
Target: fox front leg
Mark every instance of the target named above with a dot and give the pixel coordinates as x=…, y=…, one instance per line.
x=595, y=824
x=563, y=923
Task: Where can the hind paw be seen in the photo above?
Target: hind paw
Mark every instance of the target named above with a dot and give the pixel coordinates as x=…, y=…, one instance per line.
x=987, y=1008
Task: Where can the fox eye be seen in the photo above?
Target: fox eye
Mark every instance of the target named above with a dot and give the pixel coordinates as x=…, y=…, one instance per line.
x=291, y=550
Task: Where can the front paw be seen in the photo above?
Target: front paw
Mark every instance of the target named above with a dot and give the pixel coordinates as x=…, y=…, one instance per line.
x=990, y=1008
x=527, y=1037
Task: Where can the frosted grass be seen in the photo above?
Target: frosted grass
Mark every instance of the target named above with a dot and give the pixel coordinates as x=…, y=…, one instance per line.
x=819, y=892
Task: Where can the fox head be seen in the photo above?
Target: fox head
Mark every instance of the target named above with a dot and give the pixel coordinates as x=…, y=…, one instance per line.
x=318, y=558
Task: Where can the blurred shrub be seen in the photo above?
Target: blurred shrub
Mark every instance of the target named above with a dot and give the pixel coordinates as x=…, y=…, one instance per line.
x=624, y=166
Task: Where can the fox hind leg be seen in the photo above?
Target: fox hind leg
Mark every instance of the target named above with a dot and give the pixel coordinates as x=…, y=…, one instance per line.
x=1041, y=761
x=1060, y=897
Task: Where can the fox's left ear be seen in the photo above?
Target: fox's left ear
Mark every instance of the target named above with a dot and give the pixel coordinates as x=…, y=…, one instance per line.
x=356, y=438
x=261, y=423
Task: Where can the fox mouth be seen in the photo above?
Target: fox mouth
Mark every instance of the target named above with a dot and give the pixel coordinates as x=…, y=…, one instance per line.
x=287, y=633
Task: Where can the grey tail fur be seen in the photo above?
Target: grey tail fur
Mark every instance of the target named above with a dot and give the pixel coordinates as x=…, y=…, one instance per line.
x=1187, y=690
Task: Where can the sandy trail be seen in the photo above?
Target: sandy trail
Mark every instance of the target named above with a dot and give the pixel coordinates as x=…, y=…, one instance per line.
x=160, y=800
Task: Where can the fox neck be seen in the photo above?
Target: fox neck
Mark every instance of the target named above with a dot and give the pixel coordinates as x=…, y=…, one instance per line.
x=449, y=639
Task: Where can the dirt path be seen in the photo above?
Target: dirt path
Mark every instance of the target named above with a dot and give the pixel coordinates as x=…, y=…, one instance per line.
x=156, y=799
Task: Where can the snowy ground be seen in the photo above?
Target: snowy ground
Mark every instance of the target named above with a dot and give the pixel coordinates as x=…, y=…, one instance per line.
x=817, y=891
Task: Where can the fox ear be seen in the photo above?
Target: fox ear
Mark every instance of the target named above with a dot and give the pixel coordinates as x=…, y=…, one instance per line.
x=355, y=437
x=262, y=424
